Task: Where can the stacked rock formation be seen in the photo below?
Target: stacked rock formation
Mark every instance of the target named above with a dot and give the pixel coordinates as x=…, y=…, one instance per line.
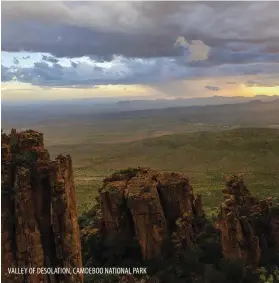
x=39, y=217
x=248, y=226
x=146, y=204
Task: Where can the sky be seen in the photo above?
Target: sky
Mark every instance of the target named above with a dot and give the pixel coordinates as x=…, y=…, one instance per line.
x=65, y=50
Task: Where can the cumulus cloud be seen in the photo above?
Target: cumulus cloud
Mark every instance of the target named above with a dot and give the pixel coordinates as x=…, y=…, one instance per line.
x=126, y=71
x=198, y=51
x=181, y=41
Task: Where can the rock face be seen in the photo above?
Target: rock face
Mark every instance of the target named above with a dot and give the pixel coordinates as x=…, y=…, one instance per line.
x=146, y=204
x=248, y=226
x=39, y=218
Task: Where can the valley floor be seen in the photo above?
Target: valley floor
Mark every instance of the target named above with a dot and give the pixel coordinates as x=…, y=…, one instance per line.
x=207, y=157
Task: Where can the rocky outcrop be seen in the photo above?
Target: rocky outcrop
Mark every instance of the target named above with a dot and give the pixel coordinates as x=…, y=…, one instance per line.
x=146, y=204
x=39, y=218
x=248, y=226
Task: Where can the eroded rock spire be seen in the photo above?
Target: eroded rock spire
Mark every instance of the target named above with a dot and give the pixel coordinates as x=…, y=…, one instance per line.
x=39, y=217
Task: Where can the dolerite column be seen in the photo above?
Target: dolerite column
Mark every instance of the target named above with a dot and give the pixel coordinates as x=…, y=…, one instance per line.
x=64, y=217
x=39, y=217
x=8, y=252
x=28, y=237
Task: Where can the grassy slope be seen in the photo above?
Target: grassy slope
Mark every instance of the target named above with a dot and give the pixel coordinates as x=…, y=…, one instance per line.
x=206, y=157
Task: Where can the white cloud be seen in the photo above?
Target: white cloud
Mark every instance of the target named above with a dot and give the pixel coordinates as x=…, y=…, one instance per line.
x=198, y=51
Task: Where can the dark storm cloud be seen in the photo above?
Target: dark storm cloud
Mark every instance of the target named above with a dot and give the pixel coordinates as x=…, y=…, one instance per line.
x=78, y=42
x=101, y=58
x=138, y=29
x=213, y=88
x=215, y=39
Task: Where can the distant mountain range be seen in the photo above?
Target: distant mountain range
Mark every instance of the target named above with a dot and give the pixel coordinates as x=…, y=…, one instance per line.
x=15, y=113
x=116, y=102
x=199, y=101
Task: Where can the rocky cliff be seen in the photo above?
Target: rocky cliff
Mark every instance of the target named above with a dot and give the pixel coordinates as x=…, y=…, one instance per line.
x=249, y=227
x=40, y=228
x=146, y=204
x=39, y=218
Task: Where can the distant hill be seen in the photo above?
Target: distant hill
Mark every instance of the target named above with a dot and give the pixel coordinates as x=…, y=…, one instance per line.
x=45, y=110
x=251, y=113
x=200, y=101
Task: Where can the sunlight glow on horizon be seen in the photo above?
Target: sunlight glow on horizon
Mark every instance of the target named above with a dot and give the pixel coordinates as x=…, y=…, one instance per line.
x=13, y=91
x=23, y=91
x=265, y=90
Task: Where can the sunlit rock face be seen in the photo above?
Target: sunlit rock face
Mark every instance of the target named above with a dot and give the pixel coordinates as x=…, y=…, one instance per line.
x=146, y=204
x=249, y=227
x=39, y=217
